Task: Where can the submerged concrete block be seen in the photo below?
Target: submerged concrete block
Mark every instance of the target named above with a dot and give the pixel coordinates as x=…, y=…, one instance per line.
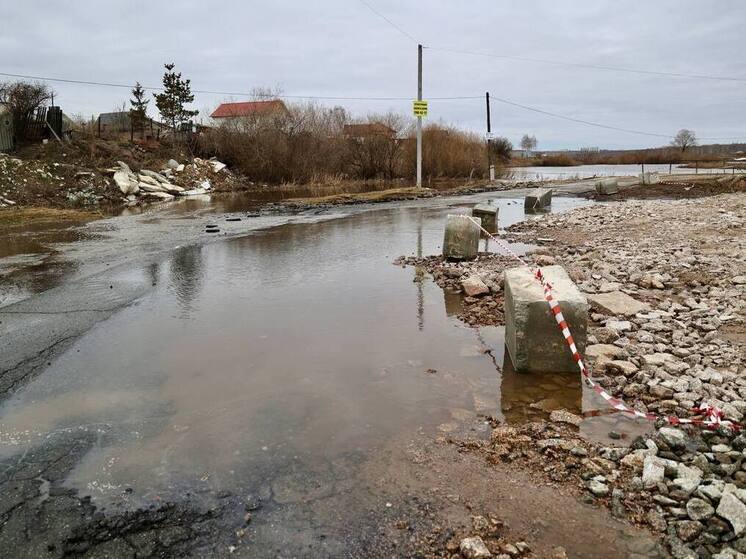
x=607, y=186
x=461, y=238
x=488, y=214
x=538, y=200
x=532, y=337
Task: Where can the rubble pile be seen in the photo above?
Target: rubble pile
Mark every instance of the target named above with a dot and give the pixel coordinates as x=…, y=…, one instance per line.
x=666, y=281
x=176, y=179
x=40, y=182
x=480, y=280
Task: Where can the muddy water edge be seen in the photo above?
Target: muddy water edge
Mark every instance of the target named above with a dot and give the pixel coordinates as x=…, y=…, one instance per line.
x=283, y=393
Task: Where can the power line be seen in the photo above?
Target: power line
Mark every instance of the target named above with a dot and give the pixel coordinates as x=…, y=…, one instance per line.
x=368, y=98
x=237, y=93
x=596, y=124
x=558, y=62
x=387, y=20
x=592, y=66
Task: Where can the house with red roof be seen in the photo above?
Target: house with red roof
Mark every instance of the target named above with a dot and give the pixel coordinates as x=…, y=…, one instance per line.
x=244, y=109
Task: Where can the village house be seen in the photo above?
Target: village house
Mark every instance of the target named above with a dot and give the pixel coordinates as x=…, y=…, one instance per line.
x=363, y=131
x=244, y=109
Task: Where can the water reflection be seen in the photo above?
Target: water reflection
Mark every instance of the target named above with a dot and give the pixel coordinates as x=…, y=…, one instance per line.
x=186, y=269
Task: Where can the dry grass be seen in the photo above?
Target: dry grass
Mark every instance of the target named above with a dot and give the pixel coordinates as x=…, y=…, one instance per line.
x=13, y=218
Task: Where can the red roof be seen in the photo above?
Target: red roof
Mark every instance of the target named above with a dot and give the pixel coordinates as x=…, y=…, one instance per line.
x=247, y=108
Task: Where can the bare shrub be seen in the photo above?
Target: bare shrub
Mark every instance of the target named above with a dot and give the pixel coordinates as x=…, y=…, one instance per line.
x=24, y=99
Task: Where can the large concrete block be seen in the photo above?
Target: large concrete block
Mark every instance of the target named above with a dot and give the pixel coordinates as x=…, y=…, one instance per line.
x=488, y=214
x=607, y=186
x=532, y=337
x=538, y=200
x=461, y=238
x=649, y=178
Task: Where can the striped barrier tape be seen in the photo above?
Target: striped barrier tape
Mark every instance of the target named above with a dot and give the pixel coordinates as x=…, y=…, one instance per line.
x=709, y=416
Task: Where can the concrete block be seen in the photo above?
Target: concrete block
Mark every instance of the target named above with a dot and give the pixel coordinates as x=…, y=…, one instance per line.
x=538, y=199
x=488, y=214
x=461, y=238
x=607, y=186
x=649, y=178
x=532, y=337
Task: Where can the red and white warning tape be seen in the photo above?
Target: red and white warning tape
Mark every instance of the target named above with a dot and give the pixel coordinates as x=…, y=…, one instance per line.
x=705, y=415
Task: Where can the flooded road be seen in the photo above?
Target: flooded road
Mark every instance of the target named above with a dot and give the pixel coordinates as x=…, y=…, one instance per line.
x=280, y=366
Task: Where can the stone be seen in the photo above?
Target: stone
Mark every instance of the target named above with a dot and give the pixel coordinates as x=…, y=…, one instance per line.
x=488, y=214
x=564, y=416
x=734, y=511
x=617, y=303
x=605, y=350
x=675, y=438
x=473, y=286
x=125, y=184
x=172, y=164
x=153, y=175
x=699, y=509
x=534, y=342
x=687, y=530
x=657, y=359
x=597, y=488
x=474, y=548
x=653, y=472
x=461, y=238
x=538, y=200
x=619, y=325
x=607, y=186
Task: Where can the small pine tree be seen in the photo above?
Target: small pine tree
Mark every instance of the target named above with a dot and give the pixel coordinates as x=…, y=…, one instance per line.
x=139, y=110
x=177, y=92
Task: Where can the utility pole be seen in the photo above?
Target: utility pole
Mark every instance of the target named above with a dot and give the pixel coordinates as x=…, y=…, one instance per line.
x=419, y=118
x=490, y=168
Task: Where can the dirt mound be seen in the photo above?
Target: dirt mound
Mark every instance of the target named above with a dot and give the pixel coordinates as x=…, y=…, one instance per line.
x=684, y=188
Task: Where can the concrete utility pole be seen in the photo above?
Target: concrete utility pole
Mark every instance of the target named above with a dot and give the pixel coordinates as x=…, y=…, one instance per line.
x=419, y=118
x=490, y=167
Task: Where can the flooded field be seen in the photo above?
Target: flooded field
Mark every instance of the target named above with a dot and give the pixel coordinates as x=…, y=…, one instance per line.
x=588, y=171
x=280, y=365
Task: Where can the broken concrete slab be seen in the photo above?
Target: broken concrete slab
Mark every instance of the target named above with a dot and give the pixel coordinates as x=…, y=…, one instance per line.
x=607, y=186
x=473, y=286
x=616, y=303
x=488, y=214
x=538, y=200
x=461, y=238
x=533, y=340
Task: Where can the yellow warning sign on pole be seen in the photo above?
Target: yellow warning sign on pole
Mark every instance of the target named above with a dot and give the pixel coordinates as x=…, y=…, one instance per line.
x=419, y=108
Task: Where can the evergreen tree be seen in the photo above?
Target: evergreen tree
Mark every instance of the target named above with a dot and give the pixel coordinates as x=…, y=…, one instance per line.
x=177, y=93
x=139, y=110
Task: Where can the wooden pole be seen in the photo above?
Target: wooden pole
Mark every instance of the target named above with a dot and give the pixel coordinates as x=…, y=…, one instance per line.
x=419, y=118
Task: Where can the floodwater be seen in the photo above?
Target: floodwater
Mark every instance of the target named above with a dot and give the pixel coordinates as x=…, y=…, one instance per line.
x=278, y=364
x=589, y=171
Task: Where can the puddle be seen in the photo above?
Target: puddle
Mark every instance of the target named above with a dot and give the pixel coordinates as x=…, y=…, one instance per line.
x=276, y=364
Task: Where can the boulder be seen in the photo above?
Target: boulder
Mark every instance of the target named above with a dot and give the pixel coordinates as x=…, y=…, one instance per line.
x=606, y=350
x=160, y=195
x=617, y=303
x=653, y=472
x=461, y=238
x=148, y=187
x=534, y=342
x=172, y=164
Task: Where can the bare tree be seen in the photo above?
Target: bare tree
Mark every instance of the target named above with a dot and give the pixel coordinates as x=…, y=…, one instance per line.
x=24, y=99
x=684, y=139
x=528, y=143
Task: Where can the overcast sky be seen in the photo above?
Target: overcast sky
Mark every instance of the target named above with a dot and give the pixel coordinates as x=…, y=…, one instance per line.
x=341, y=48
